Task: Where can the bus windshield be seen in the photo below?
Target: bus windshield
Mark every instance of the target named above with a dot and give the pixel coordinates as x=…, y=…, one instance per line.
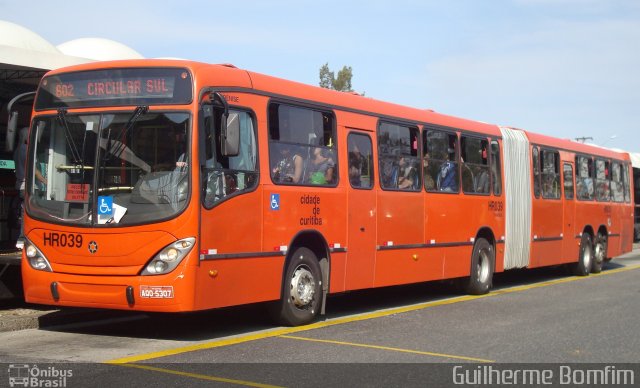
x=108, y=169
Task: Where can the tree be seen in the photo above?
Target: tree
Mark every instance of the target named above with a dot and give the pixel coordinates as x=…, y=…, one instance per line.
x=342, y=82
x=326, y=77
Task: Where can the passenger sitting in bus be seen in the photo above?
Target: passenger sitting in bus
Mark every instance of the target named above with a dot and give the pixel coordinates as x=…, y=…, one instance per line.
x=447, y=176
x=585, y=188
x=406, y=174
x=41, y=171
x=321, y=167
x=289, y=168
x=584, y=183
x=495, y=179
x=429, y=182
x=549, y=188
x=355, y=166
x=482, y=178
x=482, y=182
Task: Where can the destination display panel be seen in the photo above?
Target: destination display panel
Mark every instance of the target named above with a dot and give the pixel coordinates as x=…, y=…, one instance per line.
x=115, y=87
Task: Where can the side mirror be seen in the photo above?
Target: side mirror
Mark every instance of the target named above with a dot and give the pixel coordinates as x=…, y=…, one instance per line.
x=10, y=137
x=229, y=127
x=12, y=123
x=230, y=135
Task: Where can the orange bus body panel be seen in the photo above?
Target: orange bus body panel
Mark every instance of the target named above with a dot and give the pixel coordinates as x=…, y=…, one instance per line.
x=368, y=237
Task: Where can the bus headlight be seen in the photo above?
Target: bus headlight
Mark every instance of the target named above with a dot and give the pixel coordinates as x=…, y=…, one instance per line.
x=169, y=257
x=35, y=258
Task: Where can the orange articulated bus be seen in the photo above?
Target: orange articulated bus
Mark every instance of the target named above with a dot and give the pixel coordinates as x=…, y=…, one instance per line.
x=173, y=186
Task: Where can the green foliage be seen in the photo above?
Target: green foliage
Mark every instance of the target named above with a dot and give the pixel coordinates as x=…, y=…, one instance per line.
x=343, y=80
x=326, y=77
x=340, y=83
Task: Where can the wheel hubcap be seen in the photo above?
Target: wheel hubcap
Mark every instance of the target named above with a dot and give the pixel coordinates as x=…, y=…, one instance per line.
x=483, y=267
x=586, y=257
x=599, y=252
x=303, y=287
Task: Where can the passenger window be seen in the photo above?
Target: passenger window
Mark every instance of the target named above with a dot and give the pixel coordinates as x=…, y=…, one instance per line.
x=227, y=175
x=567, y=177
x=496, y=172
x=625, y=179
x=474, y=162
x=617, y=186
x=603, y=185
x=536, y=171
x=440, y=161
x=550, y=174
x=399, y=157
x=360, y=158
x=584, y=178
x=302, y=146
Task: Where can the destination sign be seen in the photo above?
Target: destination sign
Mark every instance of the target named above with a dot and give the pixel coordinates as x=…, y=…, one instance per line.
x=112, y=88
x=115, y=87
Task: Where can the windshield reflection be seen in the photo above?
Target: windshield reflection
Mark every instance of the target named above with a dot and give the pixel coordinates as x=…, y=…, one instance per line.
x=109, y=169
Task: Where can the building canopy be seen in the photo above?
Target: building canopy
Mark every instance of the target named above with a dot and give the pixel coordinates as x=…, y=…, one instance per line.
x=25, y=56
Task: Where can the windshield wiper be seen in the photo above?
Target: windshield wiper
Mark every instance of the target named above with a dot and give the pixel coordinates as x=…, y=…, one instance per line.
x=139, y=111
x=67, y=134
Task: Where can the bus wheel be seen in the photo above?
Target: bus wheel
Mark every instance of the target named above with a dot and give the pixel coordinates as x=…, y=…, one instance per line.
x=482, y=262
x=600, y=253
x=585, y=257
x=302, y=292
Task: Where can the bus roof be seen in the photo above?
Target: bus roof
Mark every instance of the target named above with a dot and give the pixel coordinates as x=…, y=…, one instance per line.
x=222, y=75
x=362, y=104
x=575, y=146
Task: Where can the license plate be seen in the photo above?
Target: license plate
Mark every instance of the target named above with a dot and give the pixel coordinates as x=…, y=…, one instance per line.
x=156, y=292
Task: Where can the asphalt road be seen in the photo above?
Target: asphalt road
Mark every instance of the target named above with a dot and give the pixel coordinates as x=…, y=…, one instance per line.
x=386, y=337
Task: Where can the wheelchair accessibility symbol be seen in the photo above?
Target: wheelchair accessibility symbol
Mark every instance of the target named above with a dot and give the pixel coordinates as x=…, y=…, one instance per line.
x=275, y=202
x=105, y=205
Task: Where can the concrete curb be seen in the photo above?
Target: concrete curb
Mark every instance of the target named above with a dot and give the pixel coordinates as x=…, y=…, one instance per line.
x=41, y=317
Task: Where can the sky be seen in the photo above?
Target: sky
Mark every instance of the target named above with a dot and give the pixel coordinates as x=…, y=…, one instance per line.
x=566, y=68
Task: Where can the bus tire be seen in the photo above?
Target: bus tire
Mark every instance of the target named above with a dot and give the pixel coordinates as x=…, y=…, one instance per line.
x=302, y=290
x=585, y=257
x=599, y=253
x=482, y=264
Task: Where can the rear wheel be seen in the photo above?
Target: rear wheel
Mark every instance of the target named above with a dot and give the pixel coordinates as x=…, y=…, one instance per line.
x=585, y=257
x=302, y=290
x=482, y=264
x=599, y=253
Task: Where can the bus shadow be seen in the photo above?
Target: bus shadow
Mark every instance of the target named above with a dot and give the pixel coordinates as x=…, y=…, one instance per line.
x=213, y=324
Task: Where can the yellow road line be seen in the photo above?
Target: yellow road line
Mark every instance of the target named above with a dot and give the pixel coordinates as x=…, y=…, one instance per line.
x=200, y=376
x=388, y=348
x=355, y=318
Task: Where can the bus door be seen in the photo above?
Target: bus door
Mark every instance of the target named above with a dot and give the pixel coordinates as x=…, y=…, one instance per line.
x=569, y=246
x=547, y=226
x=361, y=242
x=231, y=209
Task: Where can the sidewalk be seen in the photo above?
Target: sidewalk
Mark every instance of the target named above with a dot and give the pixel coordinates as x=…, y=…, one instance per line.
x=22, y=318
x=40, y=317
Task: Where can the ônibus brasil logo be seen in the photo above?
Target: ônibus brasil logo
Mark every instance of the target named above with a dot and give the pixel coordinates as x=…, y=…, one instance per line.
x=24, y=375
